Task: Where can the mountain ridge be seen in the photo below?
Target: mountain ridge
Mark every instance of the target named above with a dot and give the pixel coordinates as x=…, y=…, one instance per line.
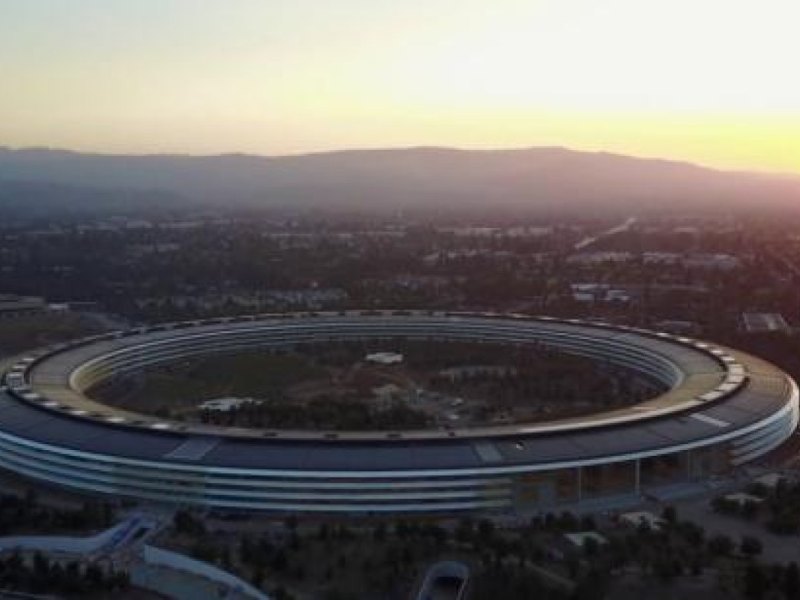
x=543, y=177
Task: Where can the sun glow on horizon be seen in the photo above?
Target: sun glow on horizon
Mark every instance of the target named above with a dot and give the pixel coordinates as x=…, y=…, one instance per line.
x=709, y=81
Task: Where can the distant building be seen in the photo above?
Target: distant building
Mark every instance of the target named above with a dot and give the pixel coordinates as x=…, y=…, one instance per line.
x=384, y=358
x=81, y=306
x=583, y=297
x=598, y=292
x=718, y=262
x=686, y=229
x=621, y=296
x=741, y=498
x=592, y=258
x=661, y=258
x=471, y=231
x=19, y=306
x=770, y=480
x=764, y=323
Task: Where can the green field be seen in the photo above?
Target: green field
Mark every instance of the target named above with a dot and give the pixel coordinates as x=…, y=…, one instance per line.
x=252, y=374
x=331, y=387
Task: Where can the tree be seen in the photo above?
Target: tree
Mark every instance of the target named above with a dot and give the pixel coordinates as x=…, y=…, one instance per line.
x=401, y=529
x=205, y=550
x=791, y=582
x=379, y=533
x=749, y=510
x=336, y=594
x=567, y=521
x=485, y=530
x=280, y=561
x=291, y=523
x=755, y=582
x=280, y=593
x=750, y=546
x=722, y=505
x=184, y=522
x=294, y=542
x=669, y=514
x=465, y=530
x=258, y=577
x=590, y=546
x=439, y=534
x=94, y=575
x=720, y=545
x=692, y=533
x=407, y=555
x=588, y=523
x=31, y=498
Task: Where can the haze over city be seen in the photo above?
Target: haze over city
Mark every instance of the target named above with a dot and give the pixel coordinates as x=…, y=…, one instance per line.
x=709, y=81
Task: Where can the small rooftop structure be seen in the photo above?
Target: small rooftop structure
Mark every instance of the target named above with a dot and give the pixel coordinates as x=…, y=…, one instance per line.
x=387, y=391
x=579, y=538
x=384, y=358
x=642, y=517
x=741, y=498
x=582, y=297
x=598, y=292
x=226, y=404
x=770, y=480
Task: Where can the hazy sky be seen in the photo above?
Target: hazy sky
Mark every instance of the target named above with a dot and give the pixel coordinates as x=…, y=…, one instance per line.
x=714, y=81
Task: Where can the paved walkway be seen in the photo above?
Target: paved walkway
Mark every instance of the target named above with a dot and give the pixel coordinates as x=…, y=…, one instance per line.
x=179, y=585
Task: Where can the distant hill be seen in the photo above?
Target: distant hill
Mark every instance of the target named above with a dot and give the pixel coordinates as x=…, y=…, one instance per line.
x=534, y=178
